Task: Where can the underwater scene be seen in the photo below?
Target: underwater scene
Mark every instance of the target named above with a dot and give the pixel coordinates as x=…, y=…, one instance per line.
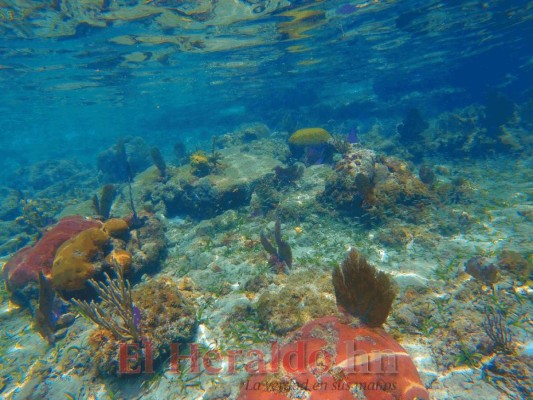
x=266, y=199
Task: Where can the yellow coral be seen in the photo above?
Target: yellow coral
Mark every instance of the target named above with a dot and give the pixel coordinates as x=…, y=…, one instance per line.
x=309, y=136
x=115, y=227
x=200, y=164
x=122, y=258
x=199, y=157
x=73, y=261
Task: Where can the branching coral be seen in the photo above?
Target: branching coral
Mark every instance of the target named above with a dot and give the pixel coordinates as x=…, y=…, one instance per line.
x=363, y=291
x=116, y=312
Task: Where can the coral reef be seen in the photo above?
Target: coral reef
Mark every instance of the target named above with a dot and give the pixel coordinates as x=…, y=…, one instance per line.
x=49, y=318
x=498, y=111
x=269, y=191
x=9, y=203
x=245, y=134
x=372, y=187
x=495, y=326
x=205, y=197
x=426, y=174
x=36, y=215
x=510, y=374
x=180, y=152
x=121, y=258
x=168, y=315
x=24, y=267
x=341, y=188
x=157, y=310
x=45, y=174
x=146, y=244
x=287, y=175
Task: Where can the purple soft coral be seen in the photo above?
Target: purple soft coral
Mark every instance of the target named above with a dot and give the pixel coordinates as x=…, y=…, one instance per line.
x=136, y=317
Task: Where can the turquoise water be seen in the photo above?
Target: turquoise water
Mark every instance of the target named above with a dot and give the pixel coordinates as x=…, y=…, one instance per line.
x=423, y=166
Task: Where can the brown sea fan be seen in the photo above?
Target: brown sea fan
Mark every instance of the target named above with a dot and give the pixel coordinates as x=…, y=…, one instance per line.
x=363, y=291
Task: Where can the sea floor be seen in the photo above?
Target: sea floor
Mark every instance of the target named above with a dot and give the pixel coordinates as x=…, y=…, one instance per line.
x=438, y=316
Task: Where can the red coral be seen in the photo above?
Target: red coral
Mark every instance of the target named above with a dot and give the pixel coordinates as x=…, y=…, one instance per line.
x=340, y=361
x=24, y=266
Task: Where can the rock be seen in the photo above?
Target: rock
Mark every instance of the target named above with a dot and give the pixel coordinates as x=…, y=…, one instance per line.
x=47, y=173
x=230, y=188
x=147, y=244
x=296, y=303
x=371, y=186
x=9, y=204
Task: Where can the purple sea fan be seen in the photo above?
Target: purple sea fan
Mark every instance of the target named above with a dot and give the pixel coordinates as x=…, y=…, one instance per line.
x=136, y=317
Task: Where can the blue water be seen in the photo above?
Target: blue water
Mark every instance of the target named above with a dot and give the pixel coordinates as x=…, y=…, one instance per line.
x=68, y=89
x=77, y=77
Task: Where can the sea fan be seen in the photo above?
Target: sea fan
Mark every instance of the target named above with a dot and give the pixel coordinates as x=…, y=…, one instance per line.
x=363, y=291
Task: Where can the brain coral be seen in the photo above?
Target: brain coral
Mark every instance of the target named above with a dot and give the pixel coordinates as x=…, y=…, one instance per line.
x=73, y=263
x=309, y=137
